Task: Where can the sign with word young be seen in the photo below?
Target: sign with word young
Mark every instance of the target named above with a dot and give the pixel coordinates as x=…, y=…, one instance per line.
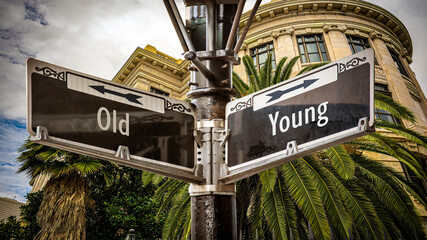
x=99, y=118
x=325, y=107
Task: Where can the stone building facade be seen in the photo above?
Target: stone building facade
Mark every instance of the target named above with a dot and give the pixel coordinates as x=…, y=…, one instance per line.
x=151, y=70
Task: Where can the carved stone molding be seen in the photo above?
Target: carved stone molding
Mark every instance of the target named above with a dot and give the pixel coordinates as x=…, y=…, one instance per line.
x=285, y=31
x=275, y=34
x=375, y=34
x=334, y=27
x=289, y=31
x=403, y=52
x=409, y=59
x=391, y=46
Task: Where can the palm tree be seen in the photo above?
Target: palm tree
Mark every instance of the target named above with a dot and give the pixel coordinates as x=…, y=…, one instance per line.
x=62, y=214
x=337, y=193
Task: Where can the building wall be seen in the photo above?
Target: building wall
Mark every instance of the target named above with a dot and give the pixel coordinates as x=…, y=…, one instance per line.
x=149, y=68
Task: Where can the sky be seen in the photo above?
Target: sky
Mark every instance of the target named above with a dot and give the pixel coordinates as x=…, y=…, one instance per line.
x=97, y=37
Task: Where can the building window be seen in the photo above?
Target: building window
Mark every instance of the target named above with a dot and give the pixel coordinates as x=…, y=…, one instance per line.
x=383, y=89
x=382, y=114
x=155, y=90
x=358, y=44
x=398, y=63
x=260, y=54
x=312, y=48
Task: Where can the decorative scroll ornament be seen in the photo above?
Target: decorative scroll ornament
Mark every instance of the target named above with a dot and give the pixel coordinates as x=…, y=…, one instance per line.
x=351, y=64
x=155, y=118
x=242, y=105
x=336, y=27
x=48, y=72
x=177, y=107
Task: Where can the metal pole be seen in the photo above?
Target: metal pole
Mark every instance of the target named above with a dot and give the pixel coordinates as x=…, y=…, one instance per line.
x=246, y=29
x=213, y=205
x=236, y=22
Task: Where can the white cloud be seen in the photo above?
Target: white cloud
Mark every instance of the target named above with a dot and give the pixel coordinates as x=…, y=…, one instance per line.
x=12, y=185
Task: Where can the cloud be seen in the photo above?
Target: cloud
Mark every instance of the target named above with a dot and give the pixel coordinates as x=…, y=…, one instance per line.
x=13, y=134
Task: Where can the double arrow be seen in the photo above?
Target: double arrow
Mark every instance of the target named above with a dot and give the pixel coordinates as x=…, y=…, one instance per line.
x=278, y=94
x=129, y=96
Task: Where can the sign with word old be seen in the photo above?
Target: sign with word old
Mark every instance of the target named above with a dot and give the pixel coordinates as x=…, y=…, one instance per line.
x=325, y=107
x=99, y=118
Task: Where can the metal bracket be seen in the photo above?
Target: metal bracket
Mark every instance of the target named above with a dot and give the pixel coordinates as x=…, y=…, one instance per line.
x=198, y=138
x=362, y=125
x=225, y=134
x=123, y=152
x=291, y=148
x=218, y=189
x=41, y=134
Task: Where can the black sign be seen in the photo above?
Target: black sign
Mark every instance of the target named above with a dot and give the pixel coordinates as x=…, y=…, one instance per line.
x=325, y=107
x=91, y=116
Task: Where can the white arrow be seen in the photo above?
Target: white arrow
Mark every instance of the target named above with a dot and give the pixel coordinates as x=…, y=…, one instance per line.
x=295, y=86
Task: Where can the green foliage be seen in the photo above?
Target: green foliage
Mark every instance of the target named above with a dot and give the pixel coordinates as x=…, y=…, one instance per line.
x=29, y=214
x=11, y=229
x=121, y=204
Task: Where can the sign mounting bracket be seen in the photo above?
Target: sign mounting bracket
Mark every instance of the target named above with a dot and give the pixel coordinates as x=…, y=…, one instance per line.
x=123, y=152
x=41, y=134
x=362, y=125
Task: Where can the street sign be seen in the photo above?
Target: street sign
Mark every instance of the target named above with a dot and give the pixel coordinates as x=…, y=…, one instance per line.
x=322, y=108
x=99, y=118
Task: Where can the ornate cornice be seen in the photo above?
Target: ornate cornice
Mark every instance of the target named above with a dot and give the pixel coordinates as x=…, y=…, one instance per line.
x=160, y=60
x=360, y=9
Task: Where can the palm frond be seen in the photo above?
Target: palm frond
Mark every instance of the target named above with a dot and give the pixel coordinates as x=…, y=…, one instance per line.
x=89, y=166
x=307, y=198
x=289, y=209
x=274, y=213
x=268, y=179
x=266, y=73
x=387, y=221
x=395, y=150
x=341, y=161
x=396, y=201
x=278, y=71
x=255, y=213
x=167, y=193
x=388, y=104
x=312, y=67
x=177, y=216
x=241, y=87
x=287, y=69
x=418, y=195
x=148, y=178
x=252, y=72
x=336, y=212
x=402, y=131
x=359, y=206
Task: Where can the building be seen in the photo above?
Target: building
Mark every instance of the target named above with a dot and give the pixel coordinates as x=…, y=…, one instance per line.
x=318, y=31
x=9, y=207
x=151, y=70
